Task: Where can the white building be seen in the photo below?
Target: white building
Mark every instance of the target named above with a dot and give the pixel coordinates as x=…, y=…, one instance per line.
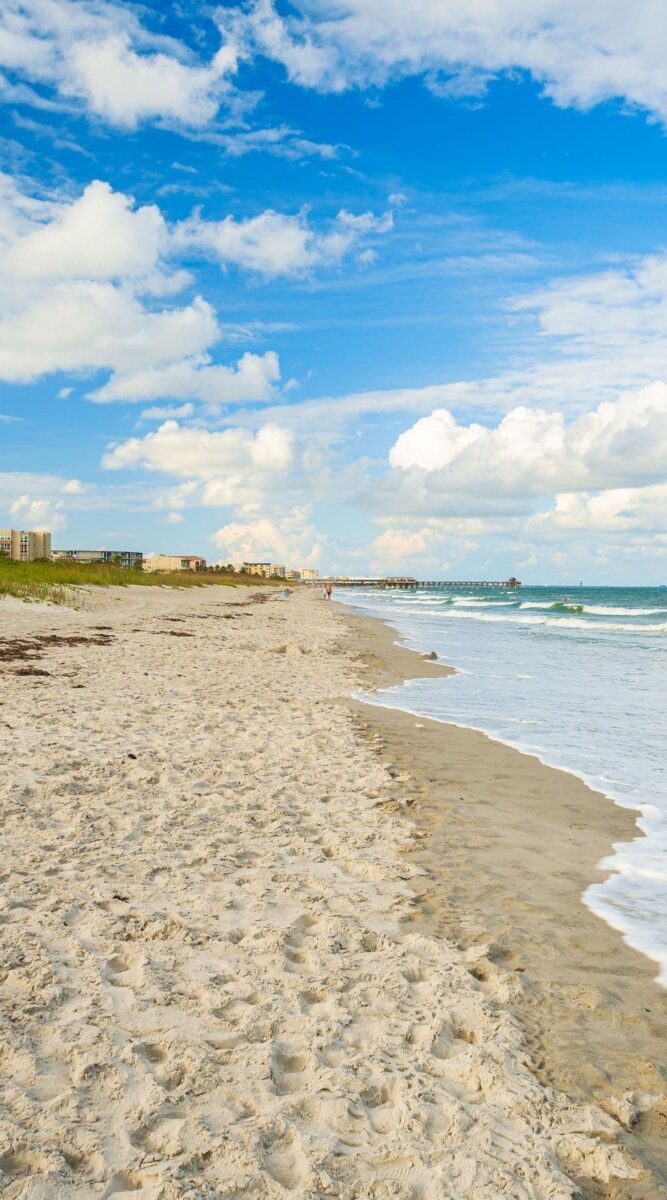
x=174, y=562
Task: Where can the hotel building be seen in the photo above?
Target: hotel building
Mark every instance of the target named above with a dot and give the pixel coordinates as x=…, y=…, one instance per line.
x=25, y=545
x=118, y=558
x=174, y=562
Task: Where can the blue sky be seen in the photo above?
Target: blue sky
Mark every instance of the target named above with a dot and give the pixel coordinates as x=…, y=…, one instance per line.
x=359, y=286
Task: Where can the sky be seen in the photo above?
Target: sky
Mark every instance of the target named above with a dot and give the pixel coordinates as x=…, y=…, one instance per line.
x=374, y=286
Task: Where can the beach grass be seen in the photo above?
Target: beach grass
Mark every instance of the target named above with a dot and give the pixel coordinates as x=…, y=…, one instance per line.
x=54, y=582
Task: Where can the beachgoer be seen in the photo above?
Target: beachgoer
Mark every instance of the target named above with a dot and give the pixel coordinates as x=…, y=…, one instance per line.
x=329, y=590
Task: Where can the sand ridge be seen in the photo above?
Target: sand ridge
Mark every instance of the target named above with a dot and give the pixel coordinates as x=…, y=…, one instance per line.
x=208, y=988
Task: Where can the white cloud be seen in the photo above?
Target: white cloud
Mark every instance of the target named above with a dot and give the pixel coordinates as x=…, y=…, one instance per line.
x=275, y=244
x=77, y=278
x=251, y=379
x=638, y=511
x=288, y=540
x=124, y=87
x=100, y=55
x=99, y=236
x=282, y=141
x=81, y=325
x=582, y=55
x=34, y=512
x=74, y=277
x=168, y=412
x=395, y=545
x=533, y=452
x=204, y=455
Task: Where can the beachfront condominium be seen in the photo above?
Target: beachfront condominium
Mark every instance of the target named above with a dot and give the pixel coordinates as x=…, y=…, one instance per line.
x=116, y=558
x=25, y=545
x=257, y=568
x=174, y=562
x=308, y=573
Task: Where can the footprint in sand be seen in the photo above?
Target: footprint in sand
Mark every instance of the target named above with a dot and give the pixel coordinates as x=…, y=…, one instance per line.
x=21, y=1162
x=284, y=1158
x=153, y=1052
x=297, y=954
x=162, y=1135
x=288, y=1064
x=382, y=1102
x=453, y=1038
x=126, y=1182
x=124, y=970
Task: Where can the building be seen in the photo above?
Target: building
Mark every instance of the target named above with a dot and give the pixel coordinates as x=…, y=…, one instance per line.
x=25, y=545
x=263, y=569
x=278, y=570
x=117, y=558
x=174, y=562
x=308, y=573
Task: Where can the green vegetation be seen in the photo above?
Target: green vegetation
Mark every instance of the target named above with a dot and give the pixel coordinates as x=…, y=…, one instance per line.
x=54, y=581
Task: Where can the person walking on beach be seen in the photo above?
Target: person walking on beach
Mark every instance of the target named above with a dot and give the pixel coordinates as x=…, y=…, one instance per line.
x=328, y=589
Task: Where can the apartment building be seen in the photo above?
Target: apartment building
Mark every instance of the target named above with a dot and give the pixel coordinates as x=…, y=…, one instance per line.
x=257, y=568
x=174, y=562
x=117, y=558
x=308, y=573
x=25, y=545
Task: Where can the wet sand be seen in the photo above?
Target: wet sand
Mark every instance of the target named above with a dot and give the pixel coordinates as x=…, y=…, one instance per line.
x=505, y=847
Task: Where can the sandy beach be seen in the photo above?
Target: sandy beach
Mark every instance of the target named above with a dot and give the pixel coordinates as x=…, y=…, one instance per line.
x=261, y=940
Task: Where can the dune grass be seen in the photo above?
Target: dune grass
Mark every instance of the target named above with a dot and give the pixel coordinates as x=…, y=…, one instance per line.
x=55, y=582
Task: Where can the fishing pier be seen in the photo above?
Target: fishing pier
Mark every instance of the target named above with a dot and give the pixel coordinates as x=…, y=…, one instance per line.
x=421, y=585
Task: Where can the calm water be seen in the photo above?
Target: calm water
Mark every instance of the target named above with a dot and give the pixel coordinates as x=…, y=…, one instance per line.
x=577, y=676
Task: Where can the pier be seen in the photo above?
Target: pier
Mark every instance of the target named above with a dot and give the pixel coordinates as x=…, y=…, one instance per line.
x=424, y=584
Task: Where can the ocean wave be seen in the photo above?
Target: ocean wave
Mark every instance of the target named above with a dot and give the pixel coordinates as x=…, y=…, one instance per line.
x=483, y=602
x=603, y=610
x=594, y=610
x=557, y=605
x=561, y=622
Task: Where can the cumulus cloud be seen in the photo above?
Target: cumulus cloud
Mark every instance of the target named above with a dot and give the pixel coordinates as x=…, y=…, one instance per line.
x=99, y=54
x=204, y=455
x=251, y=379
x=78, y=281
x=99, y=236
x=395, y=545
x=582, y=55
x=289, y=540
x=124, y=87
x=74, y=276
x=638, y=511
x=275, y=244
x=533, y=452
x=35, y=512
x=80, y=325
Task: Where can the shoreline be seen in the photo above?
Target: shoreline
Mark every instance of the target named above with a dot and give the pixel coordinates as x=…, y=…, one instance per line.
x=229, y=963
x=506, y=847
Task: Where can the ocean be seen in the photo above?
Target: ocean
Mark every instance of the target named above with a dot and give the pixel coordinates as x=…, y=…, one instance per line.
x=574, y=675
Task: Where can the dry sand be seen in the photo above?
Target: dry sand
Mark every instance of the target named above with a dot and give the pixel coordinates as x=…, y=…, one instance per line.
x=211, y=983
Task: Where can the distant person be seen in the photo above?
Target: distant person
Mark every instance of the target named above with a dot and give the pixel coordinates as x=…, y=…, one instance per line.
x=328, y=589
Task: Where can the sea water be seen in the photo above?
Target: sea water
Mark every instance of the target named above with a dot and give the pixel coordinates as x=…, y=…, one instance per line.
x=576, y=676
